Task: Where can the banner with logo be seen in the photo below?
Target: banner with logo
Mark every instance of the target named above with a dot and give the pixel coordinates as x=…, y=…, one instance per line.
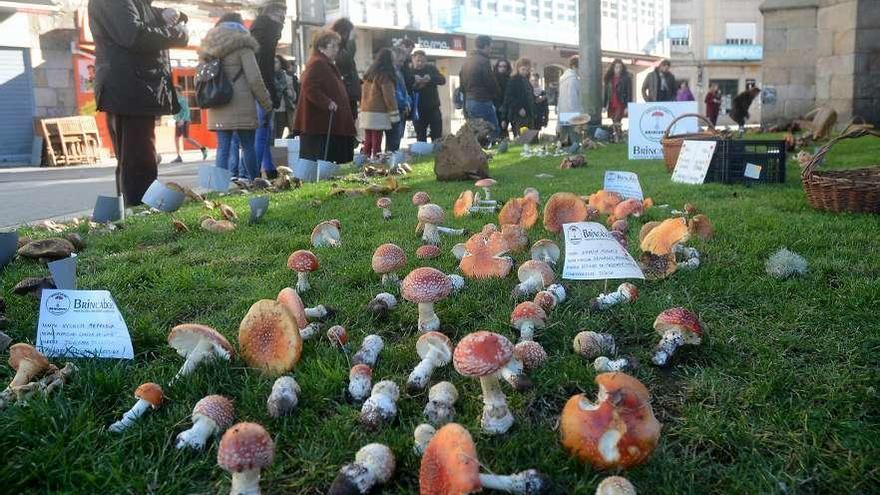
x=649, y=121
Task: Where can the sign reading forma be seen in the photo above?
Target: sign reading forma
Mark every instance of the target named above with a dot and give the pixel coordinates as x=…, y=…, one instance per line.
x=82, y=323
x=735, y=52
x=592, y=253
x=648, y=123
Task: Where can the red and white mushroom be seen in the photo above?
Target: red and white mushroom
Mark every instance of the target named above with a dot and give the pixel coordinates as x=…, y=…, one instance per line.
x=420, y=198
x=284, y=397
x=430, y=216
x=373, y=465
x=427, y=252
x=381, y=407
x=441, y=403
x=483, y=355
x=387, y=259
x=545, y=250
x=592, y=345
x=615, y=485
x=269, y=338
x=326, y=234
x=526, y=317
x=486, y=185
x=677, y=327
x=245, y=449
x=533, y=276
x=625, y=293
x=291, y=300
x=369, y=352
x=210, y=416
x=197, y=343
x=530, y=353
x=149, y=396
x=338, y=336
x=360, y=382
x=425, y=286
x=435, y=349
x=303, y=262
x=385, y=205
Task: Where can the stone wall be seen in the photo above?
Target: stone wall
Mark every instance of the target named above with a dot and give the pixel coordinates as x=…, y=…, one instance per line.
x=835, y=60
x=866, y=102
x=54, y=91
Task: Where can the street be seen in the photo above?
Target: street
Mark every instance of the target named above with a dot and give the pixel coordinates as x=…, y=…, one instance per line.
x=32, y=194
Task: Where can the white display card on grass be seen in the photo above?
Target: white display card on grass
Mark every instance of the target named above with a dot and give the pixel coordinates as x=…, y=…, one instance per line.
x=82, y=323
x=693, y=162
x=624, y=183
x=592, y=253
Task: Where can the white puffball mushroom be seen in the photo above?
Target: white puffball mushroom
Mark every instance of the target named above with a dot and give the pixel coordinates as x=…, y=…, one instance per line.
x=373, y=465
x=440, y=408
x=784, y=264
x=457, y=283
x=615, y=485
x=211, y=416
x=368, y=354
x=381, y=407
x=284, y=397
x=360, y=381
x=421, y=437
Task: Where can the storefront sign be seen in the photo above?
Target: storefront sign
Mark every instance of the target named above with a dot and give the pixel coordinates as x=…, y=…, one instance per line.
x=82, y=323
x=648, y=123
x=592, y=253
x=735, y=52
x=433, y=44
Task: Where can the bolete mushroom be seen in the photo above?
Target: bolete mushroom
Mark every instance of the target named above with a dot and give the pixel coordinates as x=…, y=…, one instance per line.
x=661, y=239
x=563, y=208
x=54, y=248
x=211, y=416
x=303, y=262
x=326, y=234
x=382, y=304
x=677, y=327
x=373, y=465
x=435, y=349
x=369, y=352
x=625, y=293
x=385, y=205
x=245, y=449
x=196, y=343
x=269, y=338
x=615, y=485
x=533, y=276
x=526, y=317
x=148, y=395
x=360, y=381
x=441, y=403
x=425, y=286
x=592, y=345
x=381, y=407
x=483, y=355
x=619, y=431
x=545, y=250
x=284, y=397
x=28, y=364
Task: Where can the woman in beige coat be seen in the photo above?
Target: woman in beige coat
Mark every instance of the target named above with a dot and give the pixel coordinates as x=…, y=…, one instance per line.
x=231, y=42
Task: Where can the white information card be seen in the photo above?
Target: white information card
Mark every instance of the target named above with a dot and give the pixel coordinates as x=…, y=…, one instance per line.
x=693, y=162
x=624, y=183
x=82, y=323
x=592, y=253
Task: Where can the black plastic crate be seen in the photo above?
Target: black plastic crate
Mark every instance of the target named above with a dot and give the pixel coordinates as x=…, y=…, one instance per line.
x=731, y=157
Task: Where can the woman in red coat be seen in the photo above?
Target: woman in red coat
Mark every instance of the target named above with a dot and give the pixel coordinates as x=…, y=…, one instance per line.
x=323, y=97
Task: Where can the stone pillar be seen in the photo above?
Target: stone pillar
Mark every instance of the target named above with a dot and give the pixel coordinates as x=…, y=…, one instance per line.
x=866, y=102
x=835, y=57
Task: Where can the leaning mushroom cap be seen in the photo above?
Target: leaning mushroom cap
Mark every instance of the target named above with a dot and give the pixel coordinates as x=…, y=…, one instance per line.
x=244, y=447
x=291, y=300
x=485, y=182
x=528, y=312
x=436, y=342
x=269, y=337
x=563, y=208
x=545, y=250
x=463, y=204
x=326, y=234
x=537, y=269
x=425, y=285
x=682, y=320
x=661, y=239
x=186, y=337
x=28, y=363
x=481, y=354
x=217, y=408
x=150, y=392
x=450, y=465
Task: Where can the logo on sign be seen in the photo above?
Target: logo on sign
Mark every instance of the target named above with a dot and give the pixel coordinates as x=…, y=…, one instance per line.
x=654, y=122
x=58, y=304
x=574, y=235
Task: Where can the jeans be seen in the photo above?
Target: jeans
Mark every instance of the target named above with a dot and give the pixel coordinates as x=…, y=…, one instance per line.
x=482, y=110
x=224, y=142
x=235, y=155
x=394, y=135
x=263, y=140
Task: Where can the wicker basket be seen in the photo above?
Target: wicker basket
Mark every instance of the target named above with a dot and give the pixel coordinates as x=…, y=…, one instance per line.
x=855, y=190
x=672, y=144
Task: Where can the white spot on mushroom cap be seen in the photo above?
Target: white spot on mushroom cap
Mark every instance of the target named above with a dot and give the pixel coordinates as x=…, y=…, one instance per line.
x=245, y=446
x=303, y=261
x=607, y=445
x=425, y=285
x=528, y=311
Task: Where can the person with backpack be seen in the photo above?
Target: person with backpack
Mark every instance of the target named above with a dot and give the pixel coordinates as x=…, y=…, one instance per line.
x=378, y=106
x=231, y=43
x=266, y=30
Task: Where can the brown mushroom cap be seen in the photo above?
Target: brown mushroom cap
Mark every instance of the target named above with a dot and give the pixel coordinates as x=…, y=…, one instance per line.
x=528, y=311
x=420, y=198
x=245, y=446
x=545, y=300
x=530, y=353
x=427, y=252
x=303, y=261
x=481, y=354
x=150, y=392
x=291, y=300
x=515, y=237
x=648, y=227
x=217, y=408
x=535, y=267
x=485, y=182
x=519, y=211
x=383, y=202
x=605, y=201
x=661, y=239
x=430, y=213
x=563, y=208
x=682, y=320
x=701, y=226
x=463, y=203
x=21, y=352
x=269, y=337
x=425, y=285
x=388, y=258
x=450, y=465
x=184, y=338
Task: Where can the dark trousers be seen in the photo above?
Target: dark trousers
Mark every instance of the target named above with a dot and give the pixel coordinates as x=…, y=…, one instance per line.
x=134, y=143
x=433, y=119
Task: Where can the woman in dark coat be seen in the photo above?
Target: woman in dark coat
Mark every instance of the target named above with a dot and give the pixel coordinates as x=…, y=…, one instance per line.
x=322, y=95
x=502, y=77
x=345, y=62
x=739, y=110
x=542, y=106
x=519, y=98
x=266, y=29
x=618, y=93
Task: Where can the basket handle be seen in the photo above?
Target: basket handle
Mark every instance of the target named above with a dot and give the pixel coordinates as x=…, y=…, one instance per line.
x=849, y=133
x=685, y=115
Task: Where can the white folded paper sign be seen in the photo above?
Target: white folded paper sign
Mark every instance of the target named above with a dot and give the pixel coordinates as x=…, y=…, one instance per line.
x=63, y=271
x=214, y=178
x=163, y=198
x=82, y=323
x=8, y=247
x=693, y=162
x=106, y=209
x=259, y=206
x=592, y=253
x=624, y=183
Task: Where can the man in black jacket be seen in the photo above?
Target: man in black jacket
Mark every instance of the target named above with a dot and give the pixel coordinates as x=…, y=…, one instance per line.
x=479, y=85
x=660, y=84
x=133, y=83
x=266, y=29
x=426, y=78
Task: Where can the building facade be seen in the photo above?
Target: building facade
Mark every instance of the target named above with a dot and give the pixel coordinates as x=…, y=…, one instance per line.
x=718, y=42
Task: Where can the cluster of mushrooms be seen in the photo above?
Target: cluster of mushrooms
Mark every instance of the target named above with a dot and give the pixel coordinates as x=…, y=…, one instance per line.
x=616, y=431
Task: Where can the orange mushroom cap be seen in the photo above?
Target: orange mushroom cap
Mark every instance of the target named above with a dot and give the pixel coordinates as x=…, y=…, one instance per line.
x=515, y=237
x=563, y=208
x=450, y=465
x=291, y=300
x=463, y=204
x=269, y=337
x=519, y=211
x=604, y=201
x=19, y=353
x=150, y=392
x=661, y=239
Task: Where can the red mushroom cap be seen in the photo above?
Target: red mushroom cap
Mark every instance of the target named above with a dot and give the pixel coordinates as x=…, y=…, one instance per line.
x=217, y=408
x=682, y=320
x=245, y=446
x=481, y=353
x=303, y=261
x=425, y=285
x=530, y=353
x=388, y=258
x=485, y=182
x=383, y=202
x=421, y=198
x=528, y=311
x=545, y=300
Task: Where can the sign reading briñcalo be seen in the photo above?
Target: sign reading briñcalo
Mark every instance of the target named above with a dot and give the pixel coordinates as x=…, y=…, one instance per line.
x=592, y=253
x=648, y=123
x=82, y=323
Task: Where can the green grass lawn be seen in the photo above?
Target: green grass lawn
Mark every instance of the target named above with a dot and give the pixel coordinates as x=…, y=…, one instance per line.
x=781, y=398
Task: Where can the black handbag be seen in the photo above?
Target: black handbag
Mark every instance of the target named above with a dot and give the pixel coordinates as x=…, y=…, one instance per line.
x=213, y=88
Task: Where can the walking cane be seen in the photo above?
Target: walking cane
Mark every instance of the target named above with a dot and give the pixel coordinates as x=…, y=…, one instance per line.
x=326, y=146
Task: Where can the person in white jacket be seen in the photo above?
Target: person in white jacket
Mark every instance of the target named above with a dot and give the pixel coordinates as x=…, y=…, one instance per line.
x=569, y=100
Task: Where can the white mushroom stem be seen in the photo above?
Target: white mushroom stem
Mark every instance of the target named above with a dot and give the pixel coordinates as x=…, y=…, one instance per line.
x=524, y=483
x=428, y=320
x=448, y=231
x=481, y=209
x=529, y=286
x=302, y=282
x=390, y=279
x=422, y=437
x=526, y=331
x=201, y=351
x=309, y=331
x=605, y=301
x=284, y=397
x=514, y=373
x=496, y=417
x=486, y=192
x=691, y=257
x=203, y=427
x=431, y=234
x=381, y=406
x=604, y=365
x=369, y=351
x=246, y=482
x=557, y=290
x=130, y=416
x=386, y=213
x=382, y=303
x=359, y=386
x=317, y=312
x=421, y=374
x=487, y=202
x=457, y=282
x=672, y=340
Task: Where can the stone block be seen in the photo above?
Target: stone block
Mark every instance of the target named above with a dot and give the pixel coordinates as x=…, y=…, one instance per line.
x=844, y=42
x=824, y=43
x=839, y=17
x=40, y=79
x=866, y=86
x=842, y=86
x=802, y=92
x=774, y=40
x=805, y=17
x=45, y=97
x=59, y=78
x=805, y=76
x=776, y=76
x=801, y=39
x=823, y=88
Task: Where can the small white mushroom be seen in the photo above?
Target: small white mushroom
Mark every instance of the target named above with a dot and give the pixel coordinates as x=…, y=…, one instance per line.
x=381, y=407
x=545, y=250
x=211, y=416
x=360, y=381
x=149, y=395
x=421, y=437
x=435, y=349
x=691, y=257
x=603, y=365
x=625, y=293
x=373, y=465
x=383, y=303
x=369, y=351
x=284, y=397
x=441, y=403
x=457, y=282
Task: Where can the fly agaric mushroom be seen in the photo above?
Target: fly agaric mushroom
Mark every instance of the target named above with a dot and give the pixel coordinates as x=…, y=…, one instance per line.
x=421, y=198
x=592, y=345
x=450, y=466
x=149, y=395
x=284, y=397
x=605, y=201
x=382, y=304
x=369, y=352
x=677, y=327
x=701, y=227
x=387, y=259
x=425, y=286
x=360, y=381
x=245, y=449
x=269, y=338
x=533, y=276
x=530, y=353
x=545, y=250
x=519, y=211
x=483, y=355
x=558, y=291
x=435, y=349
x=385, y=204
x=381, y=406
x=421, y=436
x=28, y=364
x=196, y=343
x=373, y=465
x=441, y=403
x=485, y=184
x=562, y=208
x=338, y=336
x=625, y=293
x=427, y=252
x=483, y=258
x=303, y=262
x=326, y=234
x=291, y=300
x=430, y=216
x=211, y=416
x=615, y=485
x=603, y=364
x=526, y=317
x=617, y=432
x=545, y=300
